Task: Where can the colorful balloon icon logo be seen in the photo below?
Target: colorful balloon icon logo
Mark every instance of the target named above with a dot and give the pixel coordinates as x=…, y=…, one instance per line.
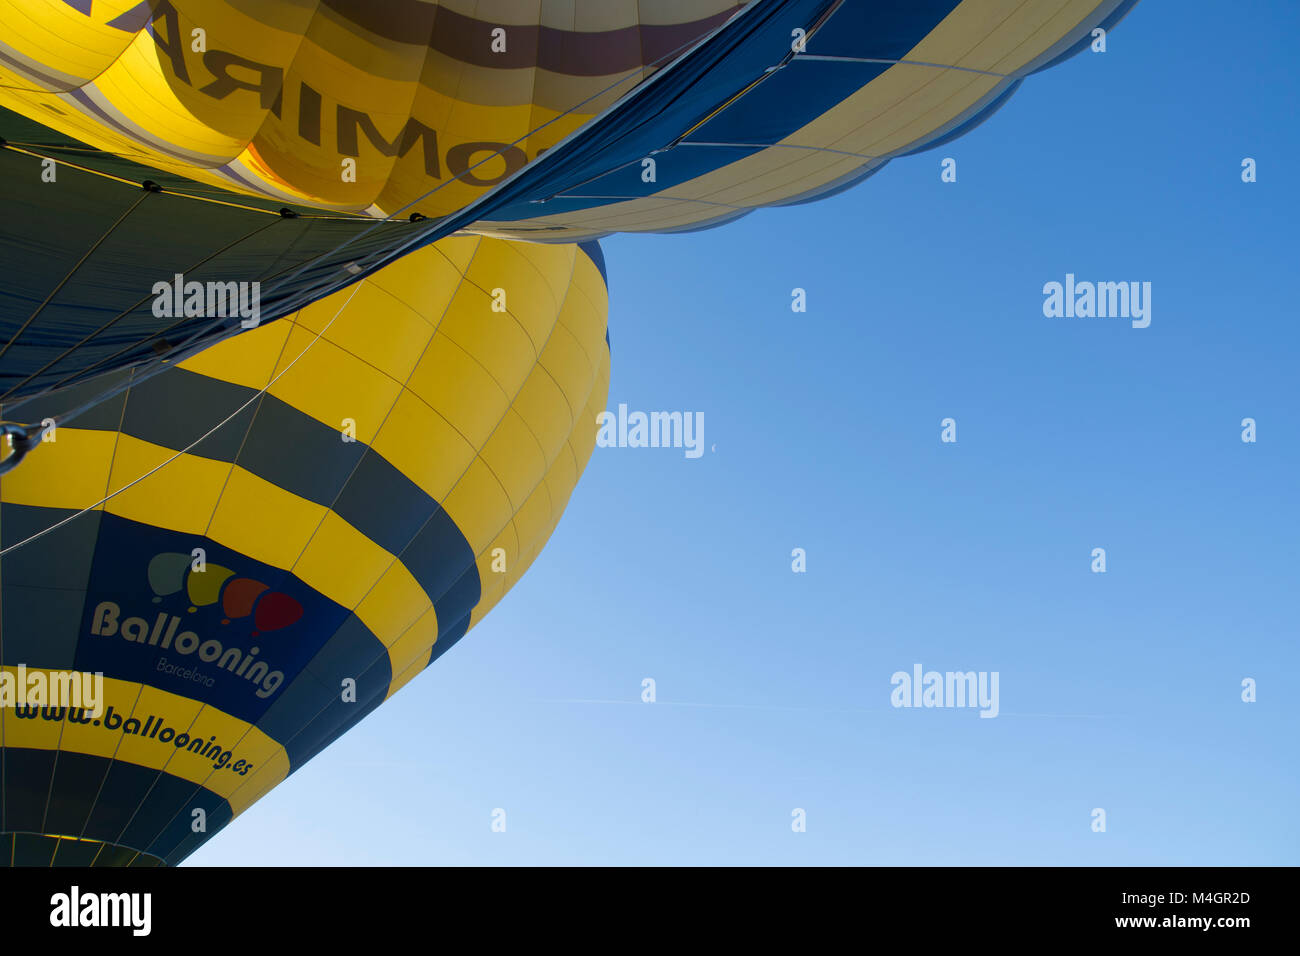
x=167, y=574
x=204, y=586
x=274, y=611
x=240, y=597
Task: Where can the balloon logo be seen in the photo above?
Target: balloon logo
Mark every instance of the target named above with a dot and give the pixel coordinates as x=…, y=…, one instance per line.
x=271, y=610
x=167, y=573
x=204, y=586
x=239, y=596
x=275, y=611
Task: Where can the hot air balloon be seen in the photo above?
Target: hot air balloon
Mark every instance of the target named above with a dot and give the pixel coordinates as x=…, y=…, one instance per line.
x=556, y=120
x=741, y=105
x=260, y=545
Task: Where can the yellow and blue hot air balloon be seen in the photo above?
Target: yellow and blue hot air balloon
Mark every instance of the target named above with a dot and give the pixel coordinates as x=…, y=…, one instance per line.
x=744, y=104
x=259, y=546
x=290, y=143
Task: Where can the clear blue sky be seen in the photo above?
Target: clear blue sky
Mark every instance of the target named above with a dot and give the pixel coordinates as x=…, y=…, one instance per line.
x=1118, y=690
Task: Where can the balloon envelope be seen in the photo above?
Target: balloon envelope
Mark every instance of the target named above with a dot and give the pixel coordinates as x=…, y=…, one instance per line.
x=429, y=105
x=302, y=518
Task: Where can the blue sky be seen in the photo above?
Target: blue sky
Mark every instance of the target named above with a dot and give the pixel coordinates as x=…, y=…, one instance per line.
x=1119, y=690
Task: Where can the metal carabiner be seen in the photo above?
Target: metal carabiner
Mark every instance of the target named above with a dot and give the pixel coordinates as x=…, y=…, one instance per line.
x=22, y=440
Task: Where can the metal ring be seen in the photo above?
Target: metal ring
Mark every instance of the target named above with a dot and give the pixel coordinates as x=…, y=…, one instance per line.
x=23, y=441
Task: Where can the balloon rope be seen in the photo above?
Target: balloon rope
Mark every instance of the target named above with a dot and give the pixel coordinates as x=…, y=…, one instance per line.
x=54, y=154
x=260, y=392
